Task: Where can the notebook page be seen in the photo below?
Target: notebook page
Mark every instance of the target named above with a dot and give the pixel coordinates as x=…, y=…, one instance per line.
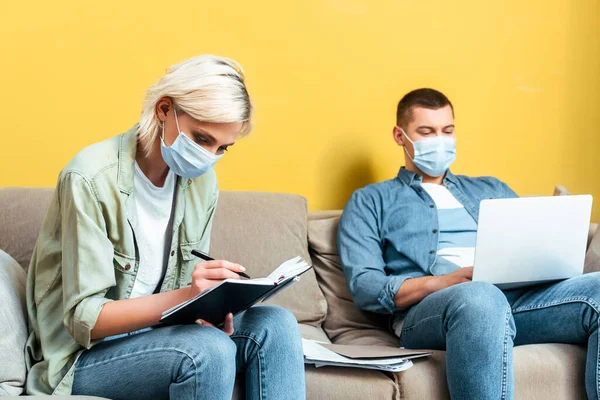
x=292, y=267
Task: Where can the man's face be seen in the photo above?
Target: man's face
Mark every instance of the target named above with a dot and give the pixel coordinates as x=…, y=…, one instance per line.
x=425, y=123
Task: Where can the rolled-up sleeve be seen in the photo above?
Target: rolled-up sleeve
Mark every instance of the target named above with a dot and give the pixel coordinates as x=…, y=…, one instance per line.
x=361, y=253
x=87, y=257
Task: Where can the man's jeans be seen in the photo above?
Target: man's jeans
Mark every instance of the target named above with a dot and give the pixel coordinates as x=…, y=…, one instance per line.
x=478, y=324
x=199, y=362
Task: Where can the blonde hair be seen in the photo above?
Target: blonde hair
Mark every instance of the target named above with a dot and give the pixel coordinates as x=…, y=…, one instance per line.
x=206, y=87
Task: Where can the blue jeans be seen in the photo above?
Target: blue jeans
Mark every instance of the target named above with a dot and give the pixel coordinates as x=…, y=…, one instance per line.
x=199, y=362
x=478, y=325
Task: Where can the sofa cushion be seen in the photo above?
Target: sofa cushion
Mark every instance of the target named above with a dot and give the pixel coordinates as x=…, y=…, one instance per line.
x=542, y=371
x=64, y=397
x=13, y=326
x=344, y=322
x=335, y=382
x=262, y=230
x=22, y=211
x=313, y=333
x=340, y=383
x=368, y=337
x=349, y=384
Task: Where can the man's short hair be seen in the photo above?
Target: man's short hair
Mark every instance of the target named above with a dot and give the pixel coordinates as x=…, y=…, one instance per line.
x=426, y=98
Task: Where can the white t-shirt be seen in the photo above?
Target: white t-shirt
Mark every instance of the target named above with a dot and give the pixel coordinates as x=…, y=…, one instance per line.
x=154, y=208
x=458, y=230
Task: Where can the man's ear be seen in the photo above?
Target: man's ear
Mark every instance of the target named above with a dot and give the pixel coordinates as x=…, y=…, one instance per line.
x=398, y=135
x=162, y=108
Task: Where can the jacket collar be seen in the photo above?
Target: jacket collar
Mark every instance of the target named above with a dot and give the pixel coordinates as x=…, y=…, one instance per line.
x=127, y=151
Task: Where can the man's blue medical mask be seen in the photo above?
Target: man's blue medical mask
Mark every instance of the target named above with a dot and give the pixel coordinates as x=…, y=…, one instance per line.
x=433, y=155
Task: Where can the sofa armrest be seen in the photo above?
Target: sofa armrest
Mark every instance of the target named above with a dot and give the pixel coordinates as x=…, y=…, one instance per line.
x=592, y=257
x=593, y=230
x=323, y=214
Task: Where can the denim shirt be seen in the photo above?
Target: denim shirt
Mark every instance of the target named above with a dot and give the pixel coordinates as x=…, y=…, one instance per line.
x=389, y=232
x=87, y=255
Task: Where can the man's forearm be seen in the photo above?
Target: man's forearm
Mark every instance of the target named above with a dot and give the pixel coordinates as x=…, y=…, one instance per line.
x=414, y=290
x=122, y=316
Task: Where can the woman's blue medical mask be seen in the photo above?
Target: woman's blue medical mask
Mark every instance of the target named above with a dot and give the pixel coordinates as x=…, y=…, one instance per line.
x=433, y=155
x=185, y=157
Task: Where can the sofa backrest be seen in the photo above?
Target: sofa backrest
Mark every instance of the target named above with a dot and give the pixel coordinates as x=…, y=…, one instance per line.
x=344, y=323
x=257, y=230
x=22, y=211
x=262, y=230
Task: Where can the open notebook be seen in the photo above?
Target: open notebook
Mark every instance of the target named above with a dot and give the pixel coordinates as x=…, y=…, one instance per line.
x=235, y=295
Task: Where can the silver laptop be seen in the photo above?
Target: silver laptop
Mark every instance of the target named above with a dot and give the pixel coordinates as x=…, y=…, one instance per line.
x=531, y=240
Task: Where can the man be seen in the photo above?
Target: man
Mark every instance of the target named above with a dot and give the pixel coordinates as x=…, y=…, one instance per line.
x=407, y=248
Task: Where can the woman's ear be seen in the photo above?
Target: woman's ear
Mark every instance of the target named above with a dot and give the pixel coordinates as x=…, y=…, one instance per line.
x=162, y=108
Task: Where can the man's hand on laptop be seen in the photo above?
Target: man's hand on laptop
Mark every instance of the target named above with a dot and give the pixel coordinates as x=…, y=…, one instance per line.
x=453, y=278
x=414, y=290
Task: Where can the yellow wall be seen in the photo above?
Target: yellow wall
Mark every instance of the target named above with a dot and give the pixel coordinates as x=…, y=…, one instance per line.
x=325, y=76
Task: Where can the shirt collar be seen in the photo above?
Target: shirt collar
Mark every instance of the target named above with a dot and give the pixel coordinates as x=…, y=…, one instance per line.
x=450, y=177
x=409, y=177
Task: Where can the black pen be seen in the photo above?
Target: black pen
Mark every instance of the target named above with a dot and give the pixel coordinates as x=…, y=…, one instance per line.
x=206, y=257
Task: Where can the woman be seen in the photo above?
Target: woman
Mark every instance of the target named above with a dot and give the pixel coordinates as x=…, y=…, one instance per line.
x=114, y=253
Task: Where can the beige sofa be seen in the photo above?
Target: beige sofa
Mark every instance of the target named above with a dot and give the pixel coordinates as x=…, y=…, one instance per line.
x=260, y=231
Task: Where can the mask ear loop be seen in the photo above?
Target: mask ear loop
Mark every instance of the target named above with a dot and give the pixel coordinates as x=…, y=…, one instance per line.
x=413, y=143
x=176, y=121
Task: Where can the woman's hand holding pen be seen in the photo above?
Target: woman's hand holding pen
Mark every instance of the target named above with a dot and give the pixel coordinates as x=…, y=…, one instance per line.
x=208, y=274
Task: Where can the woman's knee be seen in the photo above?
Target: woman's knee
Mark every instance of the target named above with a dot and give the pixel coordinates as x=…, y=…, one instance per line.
x=203, y=346
x=275, y=316
x=272, y=330
x=270, y=321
